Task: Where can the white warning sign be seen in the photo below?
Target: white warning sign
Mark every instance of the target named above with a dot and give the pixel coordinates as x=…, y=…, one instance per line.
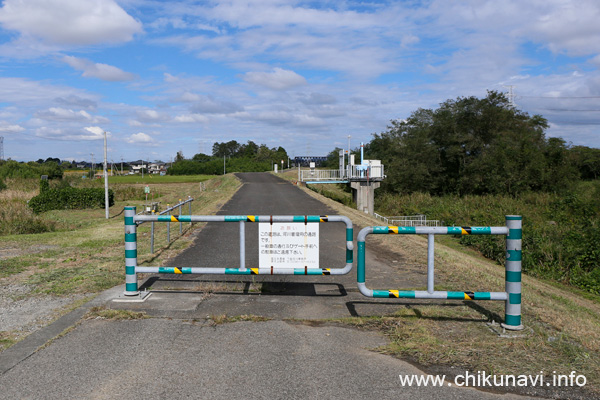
x=288, y=245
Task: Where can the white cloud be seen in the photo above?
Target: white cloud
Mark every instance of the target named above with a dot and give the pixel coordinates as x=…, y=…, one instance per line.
x=88, y=133
x=69, y=22
x=141, y=138
x=188, y=97
x=97, y=70
x=5, y=128
x=62, y=114
x=95, y=130
x=409, y=40
x=191, y=118
x=277, y=79
x=26, y=92
x=77, y=101
x=133, y=122
x=570, y=27
x=317, y=99
x=209, y=105
x=245, y=14
x=151, y=116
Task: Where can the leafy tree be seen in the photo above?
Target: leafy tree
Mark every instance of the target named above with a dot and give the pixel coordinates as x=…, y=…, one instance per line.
x=248, y=150
x=333, y=159
x=14, y=169
x=586, y=160
x=471, y=146
x=226, y=149
x=249, y=157
x=179, y=156
x=201, y=157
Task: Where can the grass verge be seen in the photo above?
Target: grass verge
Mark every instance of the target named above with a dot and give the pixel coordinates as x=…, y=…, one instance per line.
x=562, y=323
x=88, y=257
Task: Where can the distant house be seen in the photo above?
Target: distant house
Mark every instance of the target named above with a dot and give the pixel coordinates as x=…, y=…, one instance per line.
x=151, y=168
x=157, y=167
x=136, y=166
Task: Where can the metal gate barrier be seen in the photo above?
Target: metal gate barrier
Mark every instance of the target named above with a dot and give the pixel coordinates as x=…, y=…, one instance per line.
x=512, y=293
x=132, y=269
x=512, y=231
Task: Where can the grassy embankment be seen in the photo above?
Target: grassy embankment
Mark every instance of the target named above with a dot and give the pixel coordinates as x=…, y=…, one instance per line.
x=81, y=252
x=562, y=322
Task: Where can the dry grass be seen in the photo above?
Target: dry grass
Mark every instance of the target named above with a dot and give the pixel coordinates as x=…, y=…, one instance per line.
x=562, y=326
x=16, y=218
x=225, y=319
x=114, y=315
x=89, y=257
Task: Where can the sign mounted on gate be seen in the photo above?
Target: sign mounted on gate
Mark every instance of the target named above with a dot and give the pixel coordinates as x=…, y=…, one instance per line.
x=288, y=245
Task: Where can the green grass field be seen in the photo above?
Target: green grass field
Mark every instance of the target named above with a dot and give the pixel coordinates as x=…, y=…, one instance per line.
x=148, y=179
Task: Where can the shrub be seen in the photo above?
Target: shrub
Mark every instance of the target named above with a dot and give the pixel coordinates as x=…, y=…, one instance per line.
x=13, y=169
x=2, y=185
x=70, y=198
x=17, y=219
x=44, y=185
x=561, y=232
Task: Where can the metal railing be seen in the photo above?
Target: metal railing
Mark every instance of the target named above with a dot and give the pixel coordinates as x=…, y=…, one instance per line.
x=354, y=172
x=321, y=175
x=168, y=212
x=408, y=220
x=374, y=172
x=512, y=293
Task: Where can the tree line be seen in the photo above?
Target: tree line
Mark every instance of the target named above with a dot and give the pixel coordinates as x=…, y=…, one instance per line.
x=478, y=146
x=237, y=157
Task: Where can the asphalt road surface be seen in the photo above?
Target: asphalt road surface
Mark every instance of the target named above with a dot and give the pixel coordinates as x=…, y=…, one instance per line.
x=181, y=354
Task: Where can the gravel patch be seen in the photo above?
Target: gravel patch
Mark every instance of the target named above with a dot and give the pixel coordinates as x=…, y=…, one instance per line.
x=24, y=312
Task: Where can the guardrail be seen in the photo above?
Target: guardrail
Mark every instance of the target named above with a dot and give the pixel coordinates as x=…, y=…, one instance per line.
x=511, y=295
x=132, y=221
x=408, y=220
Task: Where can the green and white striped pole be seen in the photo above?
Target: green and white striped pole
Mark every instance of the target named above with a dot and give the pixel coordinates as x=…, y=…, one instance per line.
x=512, y=317
x=131, y=286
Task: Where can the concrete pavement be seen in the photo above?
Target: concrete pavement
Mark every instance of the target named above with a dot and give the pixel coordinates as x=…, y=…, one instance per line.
x=181, y=354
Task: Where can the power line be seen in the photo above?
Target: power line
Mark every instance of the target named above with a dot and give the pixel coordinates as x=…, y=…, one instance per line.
x=566, y=109
x=575, y=123
x=560, y=97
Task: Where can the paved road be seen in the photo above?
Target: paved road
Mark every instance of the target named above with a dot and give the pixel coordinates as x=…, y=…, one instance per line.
x=180, y=354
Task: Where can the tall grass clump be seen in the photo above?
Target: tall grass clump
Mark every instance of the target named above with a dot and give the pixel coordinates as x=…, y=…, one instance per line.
x=16, y=218
x=561, y=232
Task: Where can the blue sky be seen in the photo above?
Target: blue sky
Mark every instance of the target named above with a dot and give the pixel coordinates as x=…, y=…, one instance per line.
x=169, y=76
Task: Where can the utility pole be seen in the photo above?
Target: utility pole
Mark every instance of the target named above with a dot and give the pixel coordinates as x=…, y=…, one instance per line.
x=92, y=167
x=105, y=178
x=121, y=165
